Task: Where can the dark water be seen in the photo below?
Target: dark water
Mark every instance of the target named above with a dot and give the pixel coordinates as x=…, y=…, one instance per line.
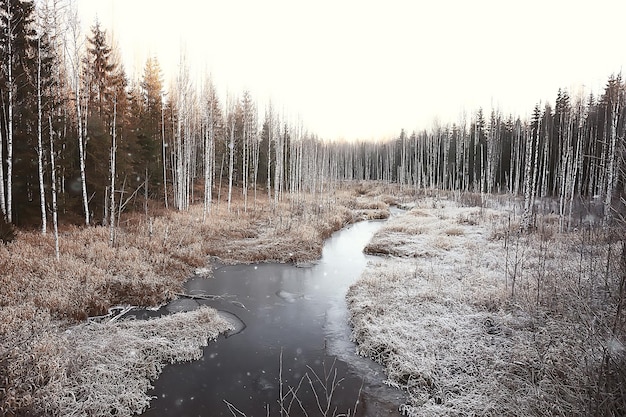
x=286, y=314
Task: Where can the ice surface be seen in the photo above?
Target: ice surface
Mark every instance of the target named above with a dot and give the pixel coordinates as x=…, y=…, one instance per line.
x=290, y=297
x=182, y=304
x=237, y=325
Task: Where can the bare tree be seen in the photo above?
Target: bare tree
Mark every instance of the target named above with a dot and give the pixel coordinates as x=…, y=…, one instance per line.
x=164, y=153
x=75, y=59
x=232, y=122
x=40, y=168
x=11, y=91
x=528, y=203
x=53, y=180
x=614, y=103
x=112, y=174
x=210, y=108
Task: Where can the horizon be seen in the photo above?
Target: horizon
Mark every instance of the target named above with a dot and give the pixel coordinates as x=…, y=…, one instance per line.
x=356, y=70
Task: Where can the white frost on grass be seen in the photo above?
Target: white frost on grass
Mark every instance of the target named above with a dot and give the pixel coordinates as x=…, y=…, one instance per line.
x=107, y=369
x=435, y=314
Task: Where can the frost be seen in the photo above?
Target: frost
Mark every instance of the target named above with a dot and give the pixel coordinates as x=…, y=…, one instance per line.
x=436, y=312
x=106, y=369
x=202, y=271
x=181, y=305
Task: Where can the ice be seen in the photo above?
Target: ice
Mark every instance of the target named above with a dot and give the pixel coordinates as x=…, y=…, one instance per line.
x=290, y=297
x=236, y=323
x=202, y=271
x=181, y=305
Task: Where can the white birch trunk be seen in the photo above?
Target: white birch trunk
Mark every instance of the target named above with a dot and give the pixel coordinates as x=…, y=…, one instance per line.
x=209, y=149
x=42, y=194
x=270, y=134
x=112, y=172
x=53, y=180
x=3, y=203
x=163, y=149
x=527, y=215
x=231, y=156
x=610, y=170
x=81, y=127
x=11, y=86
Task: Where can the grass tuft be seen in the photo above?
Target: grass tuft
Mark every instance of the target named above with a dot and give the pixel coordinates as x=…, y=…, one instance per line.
x=482, y=320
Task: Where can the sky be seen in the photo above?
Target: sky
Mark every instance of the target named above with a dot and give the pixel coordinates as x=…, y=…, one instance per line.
x=367, y=69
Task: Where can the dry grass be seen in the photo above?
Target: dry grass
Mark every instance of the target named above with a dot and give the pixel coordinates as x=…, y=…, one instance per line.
x=486, y=321
x=41, y=298
x=97, y=369
x=454, y=231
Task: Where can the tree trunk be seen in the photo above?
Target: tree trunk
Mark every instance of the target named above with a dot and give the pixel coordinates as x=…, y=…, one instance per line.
x=42, y=194
x=112, y=172
x=610, y=170
x=163, y=148
x=528, y=203
x=81, y=127
x=11, y=86
x=231, y=160
x=53, y=180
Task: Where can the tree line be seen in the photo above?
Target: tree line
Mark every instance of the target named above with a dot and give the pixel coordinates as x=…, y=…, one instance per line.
x=81, y=140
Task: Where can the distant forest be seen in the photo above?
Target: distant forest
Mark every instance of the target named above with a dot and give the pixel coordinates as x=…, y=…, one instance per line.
x=79, y=140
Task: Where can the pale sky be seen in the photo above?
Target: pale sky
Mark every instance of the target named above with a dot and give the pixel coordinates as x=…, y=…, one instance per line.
x=366, y=69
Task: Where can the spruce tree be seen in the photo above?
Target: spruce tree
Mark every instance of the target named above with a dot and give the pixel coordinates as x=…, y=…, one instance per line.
x=18, y=72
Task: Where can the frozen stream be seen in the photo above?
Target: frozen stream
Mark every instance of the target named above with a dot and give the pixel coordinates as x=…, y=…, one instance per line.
x=300, y=312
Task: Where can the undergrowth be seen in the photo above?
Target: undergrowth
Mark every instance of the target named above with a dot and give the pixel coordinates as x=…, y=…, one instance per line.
x=42, y=298
x=472, y=317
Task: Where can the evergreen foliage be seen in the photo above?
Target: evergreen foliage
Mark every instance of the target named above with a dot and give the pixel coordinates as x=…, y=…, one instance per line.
x=172, y=142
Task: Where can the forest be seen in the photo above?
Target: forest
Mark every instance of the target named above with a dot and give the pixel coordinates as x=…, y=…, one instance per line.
x=81, y=142
x=114, y=191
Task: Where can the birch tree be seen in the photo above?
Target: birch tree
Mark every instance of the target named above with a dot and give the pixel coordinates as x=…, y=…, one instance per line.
x=248, y=110
x=40, y=167
x=112, y=175
x=212, y=124
x=232, y=125
x=74, y=44
x=528, y=203
x=184, y=103
x=613, y=103
x=53, y=181
x=10, y=82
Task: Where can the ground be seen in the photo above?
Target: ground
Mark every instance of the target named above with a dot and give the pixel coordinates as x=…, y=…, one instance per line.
x=472, y=317
x=46, y=344
x=467, y=314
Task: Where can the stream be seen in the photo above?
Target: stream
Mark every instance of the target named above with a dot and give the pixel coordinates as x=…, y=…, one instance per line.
x=291, y=325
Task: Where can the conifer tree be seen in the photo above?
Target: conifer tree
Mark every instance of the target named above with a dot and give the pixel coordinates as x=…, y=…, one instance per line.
x=18, y=74
x=149, y=127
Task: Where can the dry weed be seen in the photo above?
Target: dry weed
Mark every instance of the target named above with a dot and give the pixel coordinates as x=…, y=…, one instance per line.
x=41, y=297
x=100, y=369
x=488, y=321
x=454, y=231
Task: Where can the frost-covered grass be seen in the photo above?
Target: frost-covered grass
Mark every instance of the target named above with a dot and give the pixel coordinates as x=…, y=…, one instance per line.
x=95, y=369
x=472, y=318
x=41, y=298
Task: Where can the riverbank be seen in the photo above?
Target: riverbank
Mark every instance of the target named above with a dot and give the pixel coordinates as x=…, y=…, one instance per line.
x=41, y=300
x=470, y=317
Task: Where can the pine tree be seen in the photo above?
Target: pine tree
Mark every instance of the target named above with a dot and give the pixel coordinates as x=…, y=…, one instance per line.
x=148, y=129
x=105, y=85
